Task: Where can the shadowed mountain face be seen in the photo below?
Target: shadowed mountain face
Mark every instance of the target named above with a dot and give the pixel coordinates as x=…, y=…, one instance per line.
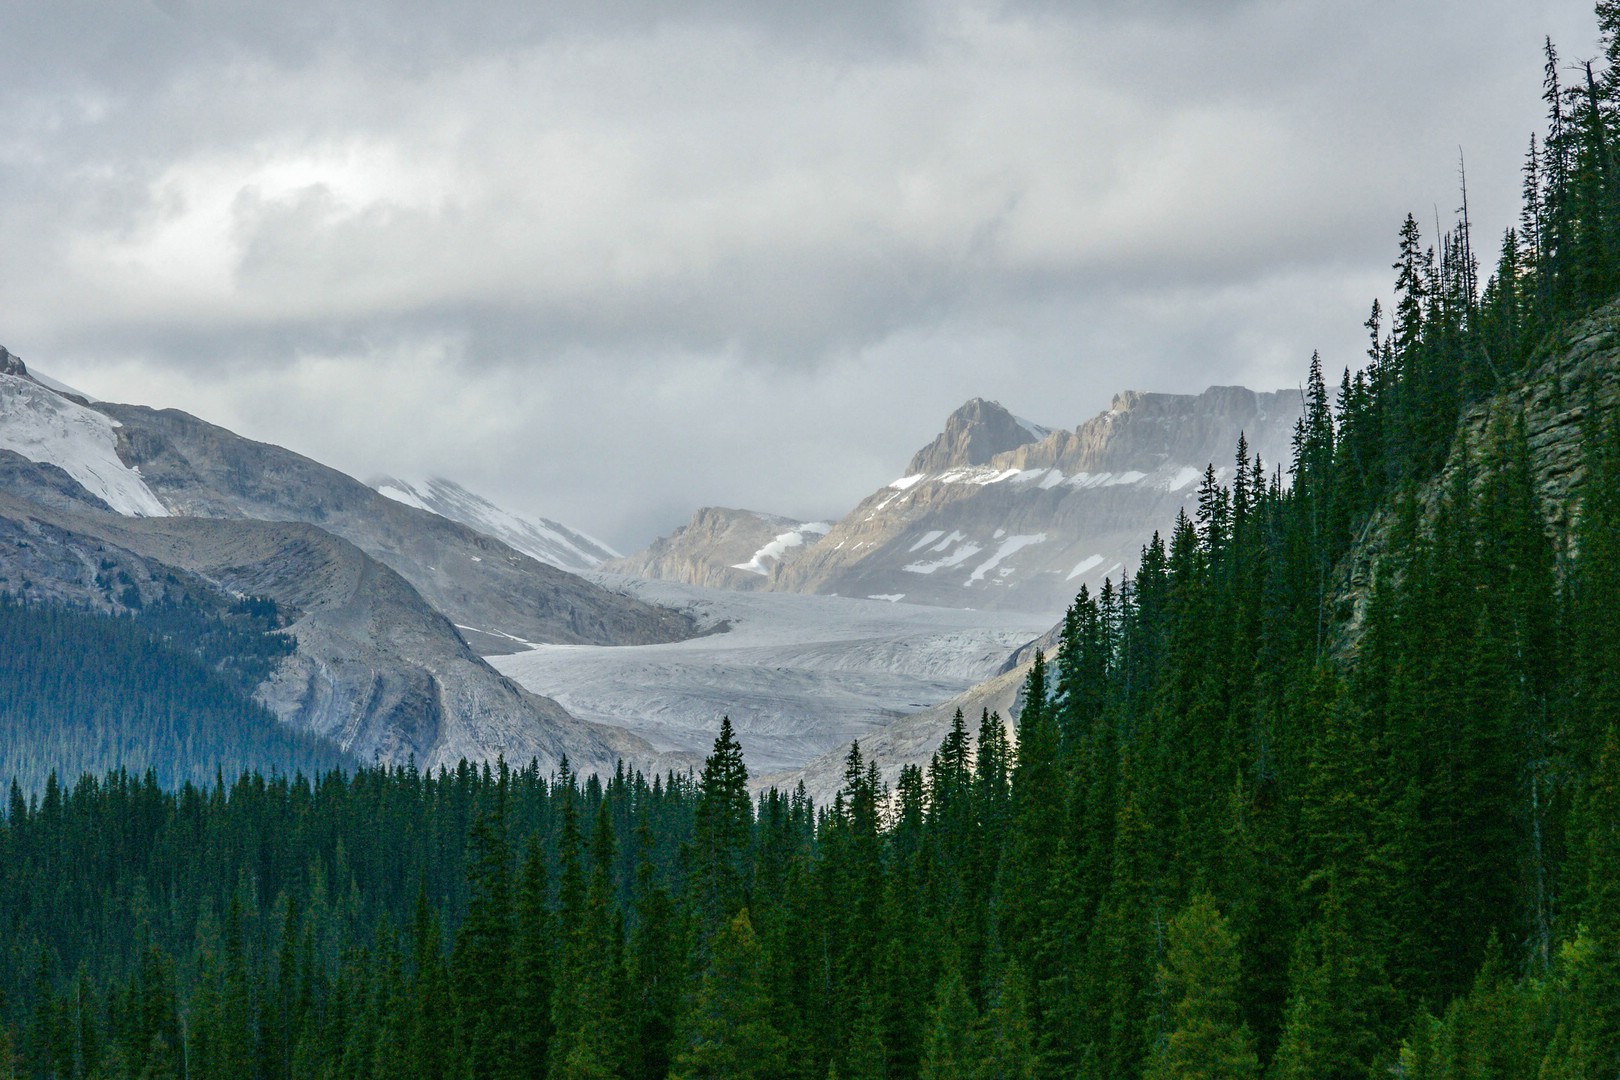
x=499, y=598
x=113, y=508
x=1026, y=526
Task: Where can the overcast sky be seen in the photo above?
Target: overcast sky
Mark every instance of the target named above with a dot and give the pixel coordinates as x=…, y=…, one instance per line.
x=612, y=260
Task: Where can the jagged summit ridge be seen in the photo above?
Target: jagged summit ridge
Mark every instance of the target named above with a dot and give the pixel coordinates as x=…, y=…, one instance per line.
x=974, y=434
x=1026, y=526
x=1140, y=428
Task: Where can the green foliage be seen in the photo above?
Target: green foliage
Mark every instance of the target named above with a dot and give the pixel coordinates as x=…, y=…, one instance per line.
x=169, y=690
x=1200, y=980
x=733, y=1036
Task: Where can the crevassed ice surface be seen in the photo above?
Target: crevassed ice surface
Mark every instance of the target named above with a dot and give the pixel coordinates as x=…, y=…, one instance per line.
x=798, y=675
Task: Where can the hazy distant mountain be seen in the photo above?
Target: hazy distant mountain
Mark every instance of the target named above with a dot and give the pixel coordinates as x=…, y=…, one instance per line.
x=973, y=435
x=538, y=537
x=1024, y=526
x=723, y=549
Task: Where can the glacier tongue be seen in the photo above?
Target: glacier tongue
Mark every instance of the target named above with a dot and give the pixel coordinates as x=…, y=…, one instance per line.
x=43, y=426
x=799, y=676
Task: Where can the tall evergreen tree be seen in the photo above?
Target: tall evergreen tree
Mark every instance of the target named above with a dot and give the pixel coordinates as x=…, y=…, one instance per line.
x=732, y=1036
x=1199, y=980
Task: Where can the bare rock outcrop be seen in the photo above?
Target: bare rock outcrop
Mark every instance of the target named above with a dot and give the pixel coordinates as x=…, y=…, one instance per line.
x=974, y=434
x=1575, y=384
x=723, y=548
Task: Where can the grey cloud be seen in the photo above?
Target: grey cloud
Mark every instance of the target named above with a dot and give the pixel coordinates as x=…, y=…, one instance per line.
x=633, y=242
x=135, y=47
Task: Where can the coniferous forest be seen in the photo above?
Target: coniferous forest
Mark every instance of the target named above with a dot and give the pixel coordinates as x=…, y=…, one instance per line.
x=171, y=690
x=1263, y=814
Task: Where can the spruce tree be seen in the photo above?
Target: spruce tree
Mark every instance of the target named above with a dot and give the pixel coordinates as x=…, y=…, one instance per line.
x=482, y=961
x=1199, y=980
x=721, y=833
x=732, y=1035
x=951, y=1046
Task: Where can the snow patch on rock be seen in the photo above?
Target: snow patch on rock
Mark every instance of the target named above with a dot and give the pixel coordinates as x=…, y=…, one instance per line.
x=773, y=551
x=537, y=537
x=1090, y=562
x=1009, y=547
x=400, y=495
x=955, y=558
x=1184, y=476
x=928, y=538
x=44, y=426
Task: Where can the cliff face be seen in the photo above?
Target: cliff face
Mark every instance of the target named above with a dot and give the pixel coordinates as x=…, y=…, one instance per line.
x=1577, y=383
x=722, y=548
x=1145, y=432
x=1030, y=525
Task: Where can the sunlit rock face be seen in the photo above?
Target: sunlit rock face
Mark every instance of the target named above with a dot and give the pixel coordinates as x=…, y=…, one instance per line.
x=722, y=548
x=1025, y=526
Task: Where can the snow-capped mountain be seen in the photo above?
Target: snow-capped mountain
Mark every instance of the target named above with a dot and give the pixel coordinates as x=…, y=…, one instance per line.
x=117, y=507
x=724, y=549
x=43, y=425
x=538, y=537
x=982, y=524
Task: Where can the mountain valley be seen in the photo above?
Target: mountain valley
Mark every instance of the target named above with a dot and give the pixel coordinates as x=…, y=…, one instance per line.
x=401, y=594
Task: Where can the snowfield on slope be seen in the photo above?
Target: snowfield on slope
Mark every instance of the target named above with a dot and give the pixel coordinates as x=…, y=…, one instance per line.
x=798, y=675
x=43, y=426
x=538, y=537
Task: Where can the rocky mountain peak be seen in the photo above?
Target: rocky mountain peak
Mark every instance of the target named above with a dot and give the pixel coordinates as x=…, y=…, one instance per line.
x=11, y=363
x=974, y=434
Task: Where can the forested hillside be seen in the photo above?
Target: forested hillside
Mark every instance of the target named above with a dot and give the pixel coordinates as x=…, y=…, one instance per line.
x=169, y=689
x=1330, y=789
